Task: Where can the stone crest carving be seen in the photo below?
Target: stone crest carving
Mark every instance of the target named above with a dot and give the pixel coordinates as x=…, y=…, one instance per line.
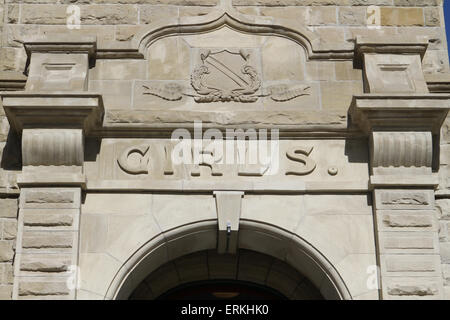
x=226, y=76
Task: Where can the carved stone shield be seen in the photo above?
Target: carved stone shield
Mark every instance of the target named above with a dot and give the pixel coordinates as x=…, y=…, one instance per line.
x=225, y=76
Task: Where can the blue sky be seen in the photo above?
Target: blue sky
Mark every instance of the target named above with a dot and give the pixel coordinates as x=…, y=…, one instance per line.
x=447, y=19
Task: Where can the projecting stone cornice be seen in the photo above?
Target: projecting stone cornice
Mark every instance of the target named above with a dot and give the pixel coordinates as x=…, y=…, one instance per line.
x=30, y=110
x=61, y=43
x=392, y=45
x=400, y=112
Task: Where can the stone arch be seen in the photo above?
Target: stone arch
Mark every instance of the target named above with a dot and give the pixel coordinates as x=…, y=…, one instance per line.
x=255, y=25
x=209, y=268
x=258, y=237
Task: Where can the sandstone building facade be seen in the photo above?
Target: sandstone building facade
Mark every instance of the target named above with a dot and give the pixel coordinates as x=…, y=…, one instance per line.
x=349, y=195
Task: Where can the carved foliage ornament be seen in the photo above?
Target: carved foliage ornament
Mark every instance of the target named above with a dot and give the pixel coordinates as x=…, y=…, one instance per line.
x=226, y=76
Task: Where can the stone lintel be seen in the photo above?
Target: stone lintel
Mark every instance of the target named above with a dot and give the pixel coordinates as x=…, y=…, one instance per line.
x=400, y=112
x=30, y=110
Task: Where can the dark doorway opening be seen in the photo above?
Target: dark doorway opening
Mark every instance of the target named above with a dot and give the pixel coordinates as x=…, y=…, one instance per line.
x=222, y=290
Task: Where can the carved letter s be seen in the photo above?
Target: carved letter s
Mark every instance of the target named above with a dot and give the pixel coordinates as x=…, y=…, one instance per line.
x=142, y=167
x=300, y=154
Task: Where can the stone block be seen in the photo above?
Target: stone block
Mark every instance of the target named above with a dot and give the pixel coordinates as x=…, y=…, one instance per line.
x=282, y=60
x=6, y=292
x=116, y=94
x=175, y=210
x=432, y=16
x=149, y=14
x=8, y=276
x=58, y=72
x=404, y=199
x=169, y=59
x=189, y=11
x=121, y=204
x=443, y=207
x=338, y=95
x=254, y=267
x=47, y=240
x=412, y=288
x=261, y=208
x=320, y=70
x=352, y=15
x=411, y=265
x=445, y=252
x=12, y=59
x=6, y=251
x=222, y=266
x=320, y=15
x=90, y=14
x=192, y=268
x=8, y=208
x=297, y=13
x=392, y=73
x=118, y=70
x=45, y=263
x=43, y=288
x=9, y=229
x=12, y=13
x=408, y=242
x=401, y=16
x=126, y=33
x=93, y=232
x=406, y=220
x=338, y=205
x=50, y=198
x=48, y=218
x=344, y=71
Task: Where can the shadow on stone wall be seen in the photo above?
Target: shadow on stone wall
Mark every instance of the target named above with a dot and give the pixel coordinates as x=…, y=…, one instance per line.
x=12, y=155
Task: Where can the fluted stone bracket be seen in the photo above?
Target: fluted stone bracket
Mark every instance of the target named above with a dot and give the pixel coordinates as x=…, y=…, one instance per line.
x=228, y=204
x=60, y=63
x=401, y=130
x=53, y=127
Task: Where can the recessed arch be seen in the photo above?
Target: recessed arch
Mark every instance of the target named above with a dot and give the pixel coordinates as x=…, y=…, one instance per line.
x=259, y=237
x=210, y=275
x=254, y=25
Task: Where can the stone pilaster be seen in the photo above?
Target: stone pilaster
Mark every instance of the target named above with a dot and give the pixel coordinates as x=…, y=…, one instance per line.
x=52, y=125
x=402, y=130
x=402, y=120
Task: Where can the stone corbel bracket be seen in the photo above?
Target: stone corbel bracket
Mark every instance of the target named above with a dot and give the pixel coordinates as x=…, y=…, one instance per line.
x=52, y=127
x=228, y=205
x=401, y=129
